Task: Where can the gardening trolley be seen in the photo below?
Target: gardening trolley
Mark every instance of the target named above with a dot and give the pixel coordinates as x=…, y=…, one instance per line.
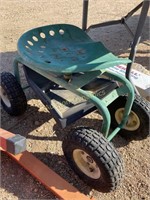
x=69, y=73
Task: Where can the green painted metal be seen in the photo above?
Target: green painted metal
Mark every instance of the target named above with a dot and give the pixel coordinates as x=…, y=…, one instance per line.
x=65, y=49
x=100, y=104
x=126, y=89
x=16, y=62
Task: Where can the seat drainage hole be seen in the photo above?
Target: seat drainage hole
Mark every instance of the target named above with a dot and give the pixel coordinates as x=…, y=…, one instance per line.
x=35, y=38
x=30, y=43
x=43, y=47
x=61, y=32
x=47, y=61
x=42, y=35
x=52, y=33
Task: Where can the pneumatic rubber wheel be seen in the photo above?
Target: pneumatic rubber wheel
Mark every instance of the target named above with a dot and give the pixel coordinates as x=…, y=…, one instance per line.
x=93, y=159
x=138, y=120
x=12, y=96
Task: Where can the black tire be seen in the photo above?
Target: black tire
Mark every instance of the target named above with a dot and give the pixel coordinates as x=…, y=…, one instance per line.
x=138, y=124
x=103, y=168
x=13, y=98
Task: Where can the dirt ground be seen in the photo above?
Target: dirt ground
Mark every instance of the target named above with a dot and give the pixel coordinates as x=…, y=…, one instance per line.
x=44, y=136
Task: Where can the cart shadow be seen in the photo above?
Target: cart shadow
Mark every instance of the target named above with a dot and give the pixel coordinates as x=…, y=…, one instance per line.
x=48, y=130
x=39, y=125
x=35, y=189
x=15, y=180
x=59, y=164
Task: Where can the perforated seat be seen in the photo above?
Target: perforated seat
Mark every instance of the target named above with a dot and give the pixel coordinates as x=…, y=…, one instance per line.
x=65, y=49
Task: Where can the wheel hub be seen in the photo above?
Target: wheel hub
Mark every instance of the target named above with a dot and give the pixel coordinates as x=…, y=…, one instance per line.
x=4, y=97
x=86, y=164
x=133, y=122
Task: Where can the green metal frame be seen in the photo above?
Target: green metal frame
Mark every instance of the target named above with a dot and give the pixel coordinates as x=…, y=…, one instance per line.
x=75, y=85
x=70, y=50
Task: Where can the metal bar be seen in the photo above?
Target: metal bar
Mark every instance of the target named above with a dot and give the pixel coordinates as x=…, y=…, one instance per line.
x=103, y=24
x=129, y=90
x=113, y=22
x=128, y=29
x=125, y=18
x=137, y=38
x=113, y=134
x=85, y=14
x=101, y=106
x=16, y=70
x=133, y=11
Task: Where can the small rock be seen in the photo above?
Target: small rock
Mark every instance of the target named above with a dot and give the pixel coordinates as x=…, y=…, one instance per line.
x=60, y=162
x=35, y=190
x=37, y=123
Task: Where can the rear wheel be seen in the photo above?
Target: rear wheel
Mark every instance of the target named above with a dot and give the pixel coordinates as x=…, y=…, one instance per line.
x=13, y=98
x=138, y=120
x=93, y=158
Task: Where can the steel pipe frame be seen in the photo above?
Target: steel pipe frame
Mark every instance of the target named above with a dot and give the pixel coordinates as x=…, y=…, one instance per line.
x=144, y=5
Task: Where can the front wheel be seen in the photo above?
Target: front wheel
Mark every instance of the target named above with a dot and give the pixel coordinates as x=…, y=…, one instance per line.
x=93, y=158
x=138, y=120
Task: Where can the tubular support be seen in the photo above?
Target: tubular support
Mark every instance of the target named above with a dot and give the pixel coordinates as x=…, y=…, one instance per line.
x=85, y=14
x=128, y=105
x=16, y=69
x=137, y=36
x=100, y=104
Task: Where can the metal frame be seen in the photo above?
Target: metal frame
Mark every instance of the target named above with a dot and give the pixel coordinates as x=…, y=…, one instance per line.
x=144, y=5
x=76, y=85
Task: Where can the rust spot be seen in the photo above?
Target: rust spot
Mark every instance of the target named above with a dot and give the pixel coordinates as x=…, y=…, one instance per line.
x=74, y=58
x=47, y=61
x=64, y=49
x=80, y=51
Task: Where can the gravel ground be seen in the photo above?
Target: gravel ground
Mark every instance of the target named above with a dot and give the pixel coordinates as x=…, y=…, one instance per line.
x=44, y=136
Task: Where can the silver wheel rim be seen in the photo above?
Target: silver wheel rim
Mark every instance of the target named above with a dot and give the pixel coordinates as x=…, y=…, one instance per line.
x=4, y=97
x=86, y=164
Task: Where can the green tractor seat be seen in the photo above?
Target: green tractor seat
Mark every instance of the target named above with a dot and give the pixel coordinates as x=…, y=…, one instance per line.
x=63, y=48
